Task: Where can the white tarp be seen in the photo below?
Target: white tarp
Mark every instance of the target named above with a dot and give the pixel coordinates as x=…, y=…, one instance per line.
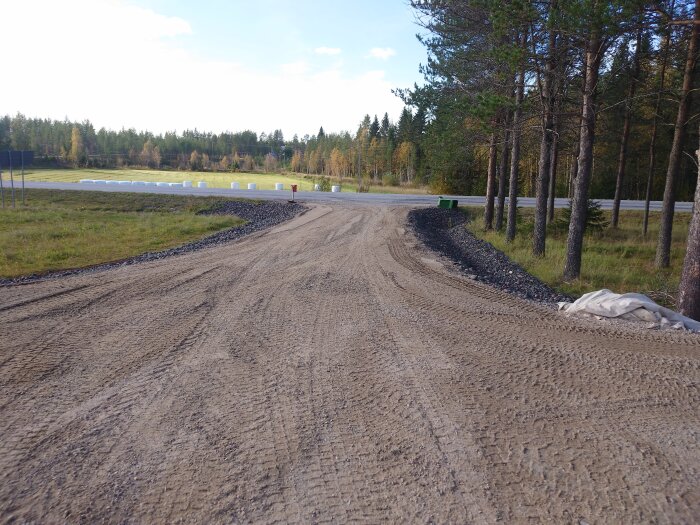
x=629, y=306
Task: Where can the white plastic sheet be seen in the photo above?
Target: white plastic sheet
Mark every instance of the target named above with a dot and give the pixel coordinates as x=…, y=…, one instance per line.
x=629, y=306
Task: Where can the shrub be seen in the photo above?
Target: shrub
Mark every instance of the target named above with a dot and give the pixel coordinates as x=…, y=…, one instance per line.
x=323, y=182
x=595, y=218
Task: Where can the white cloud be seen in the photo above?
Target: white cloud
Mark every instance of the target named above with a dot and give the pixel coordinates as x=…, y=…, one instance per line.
x=124, y=66
x=296, y=68
x=327, y=51
x=382, y=53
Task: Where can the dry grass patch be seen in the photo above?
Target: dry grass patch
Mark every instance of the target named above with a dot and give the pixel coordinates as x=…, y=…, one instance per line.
x=620, y=259
x=69, y=229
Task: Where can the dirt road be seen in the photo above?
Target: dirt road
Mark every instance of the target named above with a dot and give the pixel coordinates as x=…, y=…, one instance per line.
x=331, y=370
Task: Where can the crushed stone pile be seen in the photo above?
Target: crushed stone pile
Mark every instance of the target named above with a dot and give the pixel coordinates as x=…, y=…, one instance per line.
x=443, y=230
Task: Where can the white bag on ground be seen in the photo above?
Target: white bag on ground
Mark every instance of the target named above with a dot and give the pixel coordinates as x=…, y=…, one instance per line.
x=629, y=306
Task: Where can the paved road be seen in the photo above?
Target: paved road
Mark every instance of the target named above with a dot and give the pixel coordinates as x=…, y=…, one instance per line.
x=385, y=199
x=331, y=370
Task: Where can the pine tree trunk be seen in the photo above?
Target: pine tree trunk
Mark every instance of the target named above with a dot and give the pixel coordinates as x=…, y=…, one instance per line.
x=663, y=247
x=515, y=150
x=654, y=128
x=553, y=168
x=574, y=167
x=622, y=160
x=579, y=202
x=689, y=287
x=491, y=181
x=542, y=189
x=503, y=174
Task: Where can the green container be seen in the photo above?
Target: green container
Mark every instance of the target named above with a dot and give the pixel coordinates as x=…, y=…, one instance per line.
x=447, y=203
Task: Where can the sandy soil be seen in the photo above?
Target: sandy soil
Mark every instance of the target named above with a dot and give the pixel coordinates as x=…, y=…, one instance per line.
x=331, y=370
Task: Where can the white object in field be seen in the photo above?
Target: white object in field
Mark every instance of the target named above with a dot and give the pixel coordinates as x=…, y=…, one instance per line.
x=176, y=184
x=99, y=181
x=186, y=183
x=252, y=186
x=279, y=186
x=112, y=182
x=87, y=181
x=335, y=189
x=201, y=184
x=163, y=184
x=317, y=187
x=235, y=185
x=125, y=182
x=629, y=306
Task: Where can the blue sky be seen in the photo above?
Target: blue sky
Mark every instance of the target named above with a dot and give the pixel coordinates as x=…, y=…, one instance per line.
x=214, y=65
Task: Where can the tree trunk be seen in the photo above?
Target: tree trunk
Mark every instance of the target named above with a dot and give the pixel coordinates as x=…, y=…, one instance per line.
x=503, y=174
x=574, y=166
x=515, y=150
x=654, y=128
x=491, y=181
x=579, y=202
x=663, y=247
x=542, y=190
x=622, y=160
x=689, y=287
x=553, y=168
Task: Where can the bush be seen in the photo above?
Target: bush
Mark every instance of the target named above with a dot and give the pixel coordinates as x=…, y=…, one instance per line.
x=390, y=179
x=595, y=218
x=323, y=182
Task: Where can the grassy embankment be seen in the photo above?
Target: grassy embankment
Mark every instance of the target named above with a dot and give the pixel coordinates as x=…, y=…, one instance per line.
x=621, y=260
x=264, y=181
x=69, y=229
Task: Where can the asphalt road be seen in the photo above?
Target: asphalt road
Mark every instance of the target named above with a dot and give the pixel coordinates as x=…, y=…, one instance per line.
x=382, y=199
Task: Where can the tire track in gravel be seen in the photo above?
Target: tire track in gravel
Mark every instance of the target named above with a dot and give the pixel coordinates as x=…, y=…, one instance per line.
x=332, y=370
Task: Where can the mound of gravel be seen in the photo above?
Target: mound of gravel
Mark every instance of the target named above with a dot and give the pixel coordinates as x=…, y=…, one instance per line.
x=444, y=231
x=260, y=215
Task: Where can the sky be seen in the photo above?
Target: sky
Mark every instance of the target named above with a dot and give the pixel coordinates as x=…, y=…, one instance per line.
x=214, y=65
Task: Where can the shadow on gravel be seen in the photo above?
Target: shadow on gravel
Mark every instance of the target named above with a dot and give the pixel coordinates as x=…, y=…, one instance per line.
x=444, y=231
x=260, y=215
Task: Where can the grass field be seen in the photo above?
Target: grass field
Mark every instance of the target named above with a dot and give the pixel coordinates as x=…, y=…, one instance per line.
x=621, y=260
x=264, y=181
x=69, y=229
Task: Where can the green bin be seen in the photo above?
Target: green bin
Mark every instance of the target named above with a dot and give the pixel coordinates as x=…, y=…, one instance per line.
x=447, y=203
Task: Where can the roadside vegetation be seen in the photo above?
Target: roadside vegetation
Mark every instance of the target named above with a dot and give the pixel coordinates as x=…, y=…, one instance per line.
x=58, y=230
x=621, y=259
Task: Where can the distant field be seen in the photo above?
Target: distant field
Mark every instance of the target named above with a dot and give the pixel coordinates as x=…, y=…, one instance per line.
x=621, y=260
x=69, y=229
x=264, y=181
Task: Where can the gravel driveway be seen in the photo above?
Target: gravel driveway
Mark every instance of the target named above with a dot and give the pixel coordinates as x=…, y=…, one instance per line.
x=331, y=369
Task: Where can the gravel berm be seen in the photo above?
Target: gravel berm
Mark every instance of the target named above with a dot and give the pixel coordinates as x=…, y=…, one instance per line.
x=444, y=231
x=260, y=215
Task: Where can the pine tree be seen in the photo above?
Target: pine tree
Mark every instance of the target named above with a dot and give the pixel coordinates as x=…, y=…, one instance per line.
x=384, y=128
x=374, y=128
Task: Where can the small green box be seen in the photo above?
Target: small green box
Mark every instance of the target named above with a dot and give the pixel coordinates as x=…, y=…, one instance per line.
x=447, y=203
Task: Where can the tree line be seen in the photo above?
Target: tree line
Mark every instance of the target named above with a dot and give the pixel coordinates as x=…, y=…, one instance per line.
x=578, y=98
x=378, y=151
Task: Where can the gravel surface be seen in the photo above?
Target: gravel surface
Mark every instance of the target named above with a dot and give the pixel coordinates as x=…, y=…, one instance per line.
x=443, y=230
x=260, y=216
x=329, y=371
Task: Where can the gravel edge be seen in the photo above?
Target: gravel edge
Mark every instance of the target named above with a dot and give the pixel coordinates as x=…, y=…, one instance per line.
x=260, y=215
x=444, y=231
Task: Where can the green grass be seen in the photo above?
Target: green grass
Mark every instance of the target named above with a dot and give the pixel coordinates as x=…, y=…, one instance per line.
x=621, y=260
x=264, y=181
x=70, y=229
